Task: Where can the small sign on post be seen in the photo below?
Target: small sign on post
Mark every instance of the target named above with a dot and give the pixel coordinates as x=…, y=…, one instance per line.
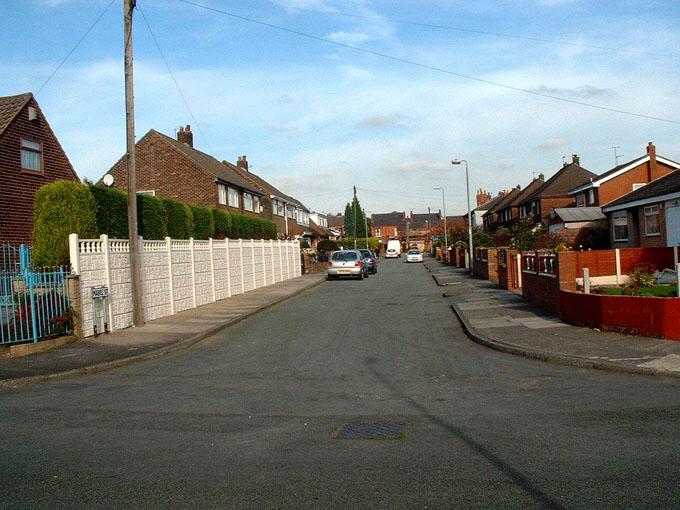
x=100, y=307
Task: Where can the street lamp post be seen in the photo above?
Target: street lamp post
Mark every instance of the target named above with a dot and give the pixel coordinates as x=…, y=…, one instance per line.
x=446, y=236
x=467, y=193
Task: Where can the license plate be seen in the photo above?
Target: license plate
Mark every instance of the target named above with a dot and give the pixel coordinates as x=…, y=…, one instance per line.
x=344, y=271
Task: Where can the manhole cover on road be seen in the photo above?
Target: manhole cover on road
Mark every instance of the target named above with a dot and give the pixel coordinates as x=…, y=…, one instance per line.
x=372, y=430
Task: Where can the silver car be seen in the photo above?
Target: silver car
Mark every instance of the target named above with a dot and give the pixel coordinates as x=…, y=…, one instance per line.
x=414, y=255
x=346, y=263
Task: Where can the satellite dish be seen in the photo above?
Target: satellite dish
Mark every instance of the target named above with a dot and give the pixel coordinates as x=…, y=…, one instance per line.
x=108, y=179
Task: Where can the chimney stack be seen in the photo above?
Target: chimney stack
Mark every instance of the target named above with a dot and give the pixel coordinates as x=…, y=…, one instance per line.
x=185, y=136
x=651, y=151
x=482, y=197
x=575, y=159
x=242, y=162
x=651, y=164
x=541, y=177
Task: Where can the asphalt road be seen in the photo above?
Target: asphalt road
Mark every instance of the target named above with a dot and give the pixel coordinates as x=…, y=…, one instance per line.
x=251, y=418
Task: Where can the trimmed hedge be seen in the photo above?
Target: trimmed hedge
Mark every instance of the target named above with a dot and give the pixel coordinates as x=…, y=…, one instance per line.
x=204, y=223
x=61, y=208
x=222, y=223
x=151, y=221
x=179, y=219
x=111, y=211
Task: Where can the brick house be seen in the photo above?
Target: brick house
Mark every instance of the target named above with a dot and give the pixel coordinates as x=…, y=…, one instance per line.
x=30, y=157
x=554, y=193
x=172, y=168
x=336, y=224
x=647, y=217
x=388, y=225
x=622, y=179
x=484, y=202
x=502, y=213
x=289, y=214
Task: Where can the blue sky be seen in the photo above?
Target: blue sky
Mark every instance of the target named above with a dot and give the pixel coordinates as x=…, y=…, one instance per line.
x=315, y=119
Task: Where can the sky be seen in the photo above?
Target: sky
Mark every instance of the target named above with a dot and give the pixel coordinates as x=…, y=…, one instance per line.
x=317, y=118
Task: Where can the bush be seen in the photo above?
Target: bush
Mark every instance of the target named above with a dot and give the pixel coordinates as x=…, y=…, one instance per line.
x=151, y=220
x=61, y=208
x=112, y=206
x=595, y=237
x=179, y=219
x=642, y=276
x=222, y=223
x=237, y=227
x=327, y=245
x=204, y=223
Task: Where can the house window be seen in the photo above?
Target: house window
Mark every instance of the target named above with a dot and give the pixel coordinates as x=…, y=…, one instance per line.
x=652, y=226
x=221, y=194
x=233, y=197
x=279, y=208
x=256, y=204
x=31, y=156
x=591, y=196
x=580, y=200
x=291, y=213
x=620, y=226
x=247, y=201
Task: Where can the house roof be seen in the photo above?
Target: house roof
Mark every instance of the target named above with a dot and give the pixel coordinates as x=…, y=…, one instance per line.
x=264, y=186
x=569, y=214
x=388, y=219
x=565, y=179
x=425, y=219
x=663, y=188
x=489, y=204
x=520, y=197
x=317, y=230
x=505, y=201
x=336, y=220
x=209, y=164
x=10, y=106
x=620, y=169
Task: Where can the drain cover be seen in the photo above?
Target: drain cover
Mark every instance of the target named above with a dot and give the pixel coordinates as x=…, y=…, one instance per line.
x=372, y=430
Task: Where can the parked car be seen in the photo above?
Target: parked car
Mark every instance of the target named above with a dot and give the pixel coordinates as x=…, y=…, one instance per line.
x=346, y=263
x=414, y=255
x=393, y=249
x=371, y=260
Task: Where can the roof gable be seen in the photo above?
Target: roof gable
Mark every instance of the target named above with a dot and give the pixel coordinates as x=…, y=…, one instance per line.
x=10, y=106
x=264, y=186
x=388, y=219
x=669, y=184
x=564, y=180
x=505, y=201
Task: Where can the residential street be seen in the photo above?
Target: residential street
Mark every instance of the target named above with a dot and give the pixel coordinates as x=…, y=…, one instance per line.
x=252, y=417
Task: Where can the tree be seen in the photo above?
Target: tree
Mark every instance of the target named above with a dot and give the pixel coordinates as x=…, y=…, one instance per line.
x=349, y=221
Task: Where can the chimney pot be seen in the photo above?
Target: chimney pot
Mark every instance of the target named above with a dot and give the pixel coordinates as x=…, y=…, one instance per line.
x=575, y=159
x=185, y=136
x=242, y=162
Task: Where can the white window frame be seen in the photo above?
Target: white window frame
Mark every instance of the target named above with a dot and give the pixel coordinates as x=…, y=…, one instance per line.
x=247, y=201
x=291, y=213
x=638, y=185
x=619, y=219
x=650, y=211
x=34, y=150
x=221, y=194
x=232, y=197
x=591, y=196
x=257, y=208
x=581, y=200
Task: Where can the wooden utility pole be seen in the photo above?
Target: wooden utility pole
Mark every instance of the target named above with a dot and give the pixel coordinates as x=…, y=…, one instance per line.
x=135, y=252
x=354, y=207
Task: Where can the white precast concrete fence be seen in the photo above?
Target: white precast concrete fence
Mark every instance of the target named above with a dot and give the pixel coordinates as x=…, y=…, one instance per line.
x=176, y=274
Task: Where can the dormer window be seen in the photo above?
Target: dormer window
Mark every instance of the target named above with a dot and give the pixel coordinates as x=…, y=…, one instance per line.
x=31, y=156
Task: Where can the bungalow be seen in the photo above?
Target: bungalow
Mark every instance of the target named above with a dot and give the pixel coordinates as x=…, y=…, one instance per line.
x=622, y=179
x=648, y=216
x=30, y=157
x=172, y=168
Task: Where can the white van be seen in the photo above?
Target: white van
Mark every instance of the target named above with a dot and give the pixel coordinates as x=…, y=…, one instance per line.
x=393, y=249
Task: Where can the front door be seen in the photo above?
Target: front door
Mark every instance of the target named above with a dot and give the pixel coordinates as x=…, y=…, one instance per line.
x=673, y=222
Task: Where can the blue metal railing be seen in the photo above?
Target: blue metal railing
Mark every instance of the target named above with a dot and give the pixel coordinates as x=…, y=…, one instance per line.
x=33, y=304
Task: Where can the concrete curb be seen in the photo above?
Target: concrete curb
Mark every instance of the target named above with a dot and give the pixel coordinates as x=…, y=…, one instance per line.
x=156, y=353
x=561, y=359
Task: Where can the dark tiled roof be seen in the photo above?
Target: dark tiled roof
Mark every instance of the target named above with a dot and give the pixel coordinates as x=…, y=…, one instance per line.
x=10, y=106
x=669, y=183
x=317, y=230
x=505, y=201
x=265, y=187
x=423, y=220
x=521, y=196
x=491, y=203
x=387, y=219
x=209, y=164
x=566, y=178
x=336, y=220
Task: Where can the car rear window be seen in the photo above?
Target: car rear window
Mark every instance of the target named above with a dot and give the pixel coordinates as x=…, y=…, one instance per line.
x=366, y=253
x=414, y=252
x=345, y=256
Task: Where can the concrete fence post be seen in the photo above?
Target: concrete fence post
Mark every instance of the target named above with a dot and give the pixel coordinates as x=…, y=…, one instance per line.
x=617, y=253
x=675, y=255
x=252, y=257
x=107, y=275
x=281, y=259
x=271, y=245
x=226, y=242
x=73, y=286
x=212, y=269
x=586, y=280
x=243, y=276
x=264, y=264
x=287, y=260
x=74, y=253
x=171, y=286
x=519, y=269
x=193, y=270
x=677, y=278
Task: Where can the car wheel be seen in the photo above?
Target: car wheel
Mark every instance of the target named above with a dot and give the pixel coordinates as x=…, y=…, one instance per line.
x=361, y=276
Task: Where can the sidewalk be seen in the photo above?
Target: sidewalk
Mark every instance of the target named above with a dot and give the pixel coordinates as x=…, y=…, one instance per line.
x=503, y=321
x=156, y=338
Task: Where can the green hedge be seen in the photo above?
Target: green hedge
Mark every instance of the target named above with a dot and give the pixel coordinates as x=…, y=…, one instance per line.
x=222, y=223
x=179, y=219
x=61, y=208
x=151, y=217
x=111, y=211
x=204, y=223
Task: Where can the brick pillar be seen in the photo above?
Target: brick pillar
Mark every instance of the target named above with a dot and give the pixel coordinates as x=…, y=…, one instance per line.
x=73, y=286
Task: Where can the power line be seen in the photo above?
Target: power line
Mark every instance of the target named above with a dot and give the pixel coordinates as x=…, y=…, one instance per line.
x=179, y=90
x=68, y=55
x=506, y=35
x=430, y=67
